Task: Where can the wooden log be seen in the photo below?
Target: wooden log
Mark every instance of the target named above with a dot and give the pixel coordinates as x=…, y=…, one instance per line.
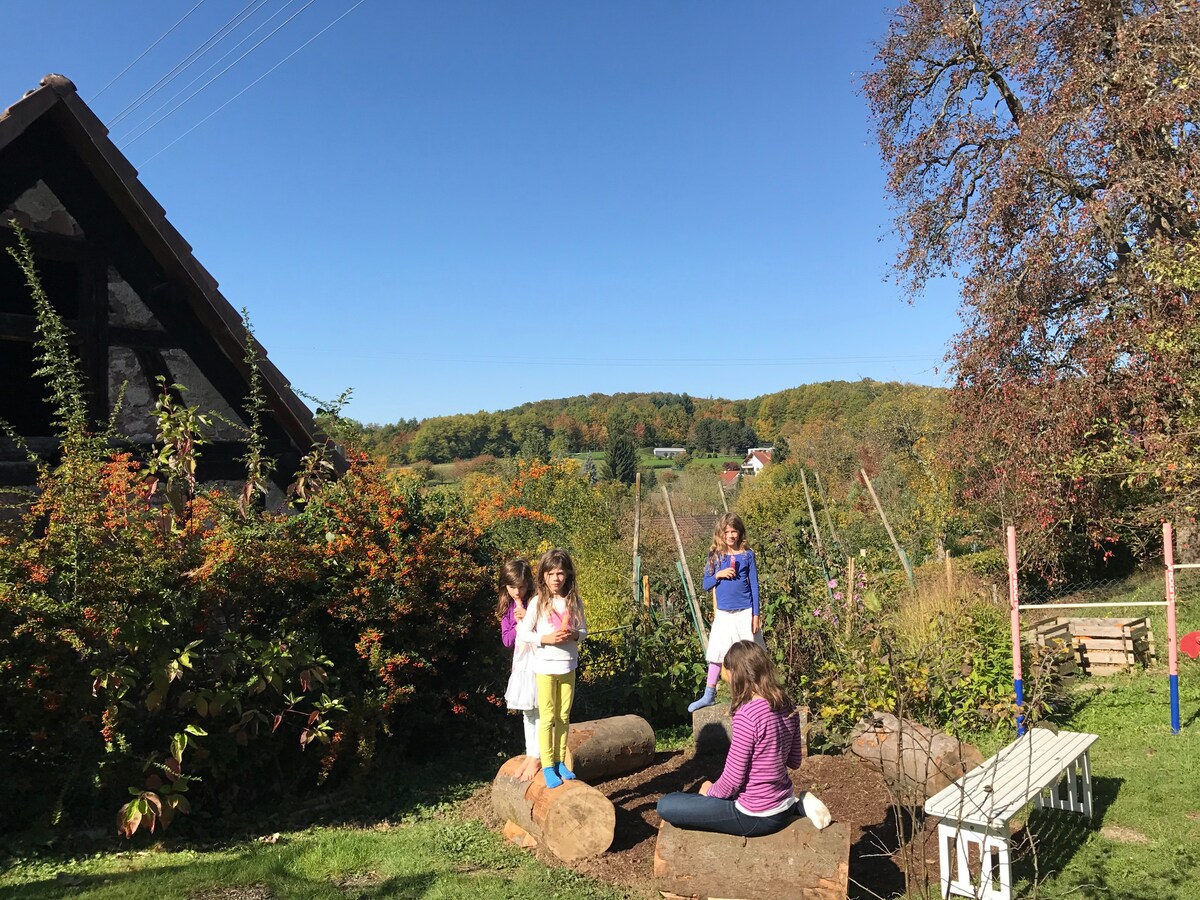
x=799, y=863
x=917, y=760
x=573, y=821
x=608, y=748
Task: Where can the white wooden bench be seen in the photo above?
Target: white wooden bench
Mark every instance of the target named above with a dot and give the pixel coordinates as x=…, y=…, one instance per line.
x=1051, y=770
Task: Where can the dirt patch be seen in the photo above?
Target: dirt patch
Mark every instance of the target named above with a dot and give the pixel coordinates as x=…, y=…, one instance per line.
x=1119, y=834
x=237, y=892
x=854, y=793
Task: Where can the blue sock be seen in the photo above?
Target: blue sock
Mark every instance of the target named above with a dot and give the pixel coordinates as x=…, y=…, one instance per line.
x=552, y=779
x=709, y=698
x=563, y=772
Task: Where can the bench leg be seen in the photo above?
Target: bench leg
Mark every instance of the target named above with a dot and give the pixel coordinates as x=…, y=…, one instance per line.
x=989, y=847
x=1072, y=791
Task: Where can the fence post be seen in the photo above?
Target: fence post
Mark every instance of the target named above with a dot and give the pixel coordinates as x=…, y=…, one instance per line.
x=1172, y=644
x=1015, y=626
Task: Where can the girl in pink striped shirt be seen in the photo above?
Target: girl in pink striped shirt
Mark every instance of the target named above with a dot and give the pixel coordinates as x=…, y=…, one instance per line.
x=754, y=794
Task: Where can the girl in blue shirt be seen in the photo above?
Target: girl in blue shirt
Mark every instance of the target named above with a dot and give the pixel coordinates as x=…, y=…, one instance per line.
x=731, y=574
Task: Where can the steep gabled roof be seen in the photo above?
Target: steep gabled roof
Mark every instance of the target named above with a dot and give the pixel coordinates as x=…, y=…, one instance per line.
x=57, y=101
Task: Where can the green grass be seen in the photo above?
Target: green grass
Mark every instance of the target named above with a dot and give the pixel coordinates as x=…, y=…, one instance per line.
x=438, y=858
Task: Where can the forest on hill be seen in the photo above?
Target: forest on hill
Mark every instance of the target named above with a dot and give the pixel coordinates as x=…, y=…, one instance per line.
x=796, y=417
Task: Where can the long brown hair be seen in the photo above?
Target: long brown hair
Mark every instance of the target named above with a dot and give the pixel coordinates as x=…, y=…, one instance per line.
x=751, y=673
x=514, y=573
x=719, y=548
x=559, y=559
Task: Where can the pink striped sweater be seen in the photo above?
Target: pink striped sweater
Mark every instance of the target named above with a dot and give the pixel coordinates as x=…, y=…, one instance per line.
x=765, y=745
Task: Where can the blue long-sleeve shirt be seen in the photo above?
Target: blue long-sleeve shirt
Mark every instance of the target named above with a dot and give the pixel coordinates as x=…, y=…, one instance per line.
x=737, y=593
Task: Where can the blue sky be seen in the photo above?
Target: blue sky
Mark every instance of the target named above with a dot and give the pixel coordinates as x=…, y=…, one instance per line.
x=465, y=205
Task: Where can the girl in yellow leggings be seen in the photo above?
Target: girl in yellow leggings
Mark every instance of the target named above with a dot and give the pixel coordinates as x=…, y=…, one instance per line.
x=554, y=625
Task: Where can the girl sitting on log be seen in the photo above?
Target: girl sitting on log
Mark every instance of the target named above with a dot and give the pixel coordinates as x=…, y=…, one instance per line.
x=754, y=794
x=516, y=592
x=554, y=626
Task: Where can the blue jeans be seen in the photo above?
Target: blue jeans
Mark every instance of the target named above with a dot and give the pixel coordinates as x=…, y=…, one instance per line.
x=701, y=813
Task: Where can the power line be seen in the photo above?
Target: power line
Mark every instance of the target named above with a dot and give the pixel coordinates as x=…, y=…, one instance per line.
x=259, y=27
x=130, y=141
x=182, y=65
x=258, y=79
x=121, y=74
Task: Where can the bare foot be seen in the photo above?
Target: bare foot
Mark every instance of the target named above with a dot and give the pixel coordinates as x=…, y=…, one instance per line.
x=531, y=768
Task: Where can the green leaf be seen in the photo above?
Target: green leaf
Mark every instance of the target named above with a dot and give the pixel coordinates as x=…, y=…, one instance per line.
x=196, y=730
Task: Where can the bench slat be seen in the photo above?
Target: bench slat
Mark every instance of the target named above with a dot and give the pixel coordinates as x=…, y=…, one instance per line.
x=994, y=791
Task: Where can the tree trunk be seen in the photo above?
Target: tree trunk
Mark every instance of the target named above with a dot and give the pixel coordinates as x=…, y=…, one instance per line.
x=608, y=748
x=918, y=761
x=799, y=863
x=574, y=821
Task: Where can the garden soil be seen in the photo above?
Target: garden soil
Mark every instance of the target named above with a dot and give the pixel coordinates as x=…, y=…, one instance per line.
x=853, y=791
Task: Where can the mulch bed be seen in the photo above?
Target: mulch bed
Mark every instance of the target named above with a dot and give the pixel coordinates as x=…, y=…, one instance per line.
x=853, y=791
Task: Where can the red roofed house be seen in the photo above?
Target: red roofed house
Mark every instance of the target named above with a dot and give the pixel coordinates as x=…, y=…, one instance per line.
x=756, y=460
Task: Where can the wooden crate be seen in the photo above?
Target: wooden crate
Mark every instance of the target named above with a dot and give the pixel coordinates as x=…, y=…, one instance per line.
x=1055, y=637
x=1102, y=646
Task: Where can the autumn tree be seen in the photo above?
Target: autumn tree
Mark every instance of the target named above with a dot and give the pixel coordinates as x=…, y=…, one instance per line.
x=1047, y=154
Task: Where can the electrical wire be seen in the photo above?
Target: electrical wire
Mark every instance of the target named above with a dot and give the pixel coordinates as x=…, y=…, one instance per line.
x=257, y=79
x=259, y=27
x=213, y=39
x=130, y=141
x=121, y=74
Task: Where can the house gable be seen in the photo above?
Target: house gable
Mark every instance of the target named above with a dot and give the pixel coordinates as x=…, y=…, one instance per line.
x=137, y=302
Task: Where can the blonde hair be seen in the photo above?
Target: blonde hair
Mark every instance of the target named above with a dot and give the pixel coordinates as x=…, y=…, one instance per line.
x=514, y=573
x=719, y=548
x=558, y=559
x=751, y=674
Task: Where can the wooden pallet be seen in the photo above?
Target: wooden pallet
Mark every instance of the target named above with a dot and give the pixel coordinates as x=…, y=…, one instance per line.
x=1102, y=646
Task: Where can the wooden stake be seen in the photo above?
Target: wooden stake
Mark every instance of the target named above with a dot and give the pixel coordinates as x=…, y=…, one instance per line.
x=637, y=528
x=949, y=574
x=848, y=592
x=686, y=572
x=825, y=506
x=721, y=491
x=812, y=516
x=887, y=526
x=646, y=591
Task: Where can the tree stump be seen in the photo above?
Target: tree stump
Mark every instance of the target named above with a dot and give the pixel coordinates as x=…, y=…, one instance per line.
x=915, y=759
x=573, y=821
x=608, y=748
x=799, y=863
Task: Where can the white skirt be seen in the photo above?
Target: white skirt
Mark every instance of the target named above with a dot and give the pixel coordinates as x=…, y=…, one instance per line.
x=727, y=629
x=522, y=683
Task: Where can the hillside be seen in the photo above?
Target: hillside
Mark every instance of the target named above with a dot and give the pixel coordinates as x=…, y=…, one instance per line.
x=707, y=425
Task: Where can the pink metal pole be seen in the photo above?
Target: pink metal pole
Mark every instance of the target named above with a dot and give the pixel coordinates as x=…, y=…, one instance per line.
x=1015, y=626
x=1172, y=641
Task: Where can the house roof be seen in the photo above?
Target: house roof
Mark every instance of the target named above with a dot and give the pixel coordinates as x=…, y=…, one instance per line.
x=56, y=99
x=763, y=457
x=730, y=477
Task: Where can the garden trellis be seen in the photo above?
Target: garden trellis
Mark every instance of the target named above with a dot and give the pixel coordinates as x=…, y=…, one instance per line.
x=1015, y=607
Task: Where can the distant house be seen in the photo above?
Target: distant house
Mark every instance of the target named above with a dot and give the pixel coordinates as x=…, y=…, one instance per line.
x=669, y=452
x=756, y=460
x=730, y=477
x=138, y=303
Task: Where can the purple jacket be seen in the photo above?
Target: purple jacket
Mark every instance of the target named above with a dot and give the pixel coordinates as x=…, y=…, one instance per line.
x=508, y=627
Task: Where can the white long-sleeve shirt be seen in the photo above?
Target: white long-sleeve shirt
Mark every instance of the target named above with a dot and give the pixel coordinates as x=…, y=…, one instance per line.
x=551, y=659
